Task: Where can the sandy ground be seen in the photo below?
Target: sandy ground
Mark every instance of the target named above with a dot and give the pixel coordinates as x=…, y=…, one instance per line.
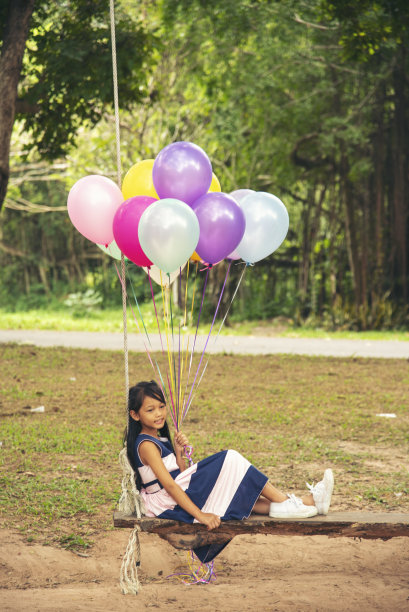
x=253, y=573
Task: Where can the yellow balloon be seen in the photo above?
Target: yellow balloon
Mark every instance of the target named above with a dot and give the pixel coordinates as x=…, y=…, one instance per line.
x=195, y=257
x=138, y=180
x=215, y=184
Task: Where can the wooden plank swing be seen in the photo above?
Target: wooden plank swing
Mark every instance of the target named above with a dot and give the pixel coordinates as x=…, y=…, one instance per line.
x=185, y=536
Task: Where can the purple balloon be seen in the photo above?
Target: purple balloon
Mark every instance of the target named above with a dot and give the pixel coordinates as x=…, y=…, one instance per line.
x=222, y=224
x=182, y=171
x=125, y=227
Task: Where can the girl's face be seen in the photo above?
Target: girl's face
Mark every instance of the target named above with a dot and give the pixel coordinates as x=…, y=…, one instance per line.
x=152, y=415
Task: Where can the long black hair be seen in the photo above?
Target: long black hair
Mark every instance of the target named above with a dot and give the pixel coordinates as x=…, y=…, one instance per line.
x=136, y=397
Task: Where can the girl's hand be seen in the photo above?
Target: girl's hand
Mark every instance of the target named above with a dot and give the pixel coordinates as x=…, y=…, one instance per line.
x=180, y=442
x=211, y=520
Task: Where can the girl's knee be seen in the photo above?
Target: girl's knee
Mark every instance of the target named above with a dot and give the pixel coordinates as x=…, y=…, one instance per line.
x=234, y=455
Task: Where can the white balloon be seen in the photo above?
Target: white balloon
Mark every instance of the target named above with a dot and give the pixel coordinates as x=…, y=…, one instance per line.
x=267, y=225
x=168, y=232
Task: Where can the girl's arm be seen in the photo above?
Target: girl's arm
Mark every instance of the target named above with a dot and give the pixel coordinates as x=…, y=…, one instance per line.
x=150, y=455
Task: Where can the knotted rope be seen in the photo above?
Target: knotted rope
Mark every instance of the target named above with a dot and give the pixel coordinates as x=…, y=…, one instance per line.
x=130, y=501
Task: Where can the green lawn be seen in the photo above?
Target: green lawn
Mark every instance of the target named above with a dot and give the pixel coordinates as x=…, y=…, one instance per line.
x=292, y=416
x=111, y=321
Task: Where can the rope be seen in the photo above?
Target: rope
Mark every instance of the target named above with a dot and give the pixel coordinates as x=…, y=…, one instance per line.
x=130, y=500
x=119, y=181
x=131, y=561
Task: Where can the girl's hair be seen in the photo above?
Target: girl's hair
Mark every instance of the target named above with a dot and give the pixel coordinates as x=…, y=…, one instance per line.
x=136, y=397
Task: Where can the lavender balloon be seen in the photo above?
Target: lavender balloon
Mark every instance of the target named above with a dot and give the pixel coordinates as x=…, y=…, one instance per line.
x=183, y=171
x=222, y=224
x=240, y=194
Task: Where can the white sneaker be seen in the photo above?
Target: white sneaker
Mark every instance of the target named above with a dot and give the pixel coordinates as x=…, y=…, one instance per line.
x=322, y=492
x=291, y=508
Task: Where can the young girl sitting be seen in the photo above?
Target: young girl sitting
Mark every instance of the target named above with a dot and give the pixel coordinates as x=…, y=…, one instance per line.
x=222, y=487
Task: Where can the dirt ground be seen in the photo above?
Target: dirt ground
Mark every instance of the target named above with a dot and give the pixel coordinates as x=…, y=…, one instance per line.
x=333, y=403
x=253, y=573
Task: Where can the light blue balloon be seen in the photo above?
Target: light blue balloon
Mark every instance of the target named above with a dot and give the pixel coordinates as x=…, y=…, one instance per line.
x=267, y=224
x=168, y=232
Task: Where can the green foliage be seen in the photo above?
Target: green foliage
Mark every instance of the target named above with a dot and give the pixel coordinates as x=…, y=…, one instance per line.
x=67, y=75
x=368, y=28
x=304, y=100
x=83, y=303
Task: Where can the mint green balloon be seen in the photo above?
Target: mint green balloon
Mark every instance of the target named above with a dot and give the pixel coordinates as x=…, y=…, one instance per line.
x=112, y=249
x=168, y=232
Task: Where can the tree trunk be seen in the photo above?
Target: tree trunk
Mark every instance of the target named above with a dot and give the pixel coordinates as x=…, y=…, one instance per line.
x=379, y=155
x=400, y=176
x=14, y=42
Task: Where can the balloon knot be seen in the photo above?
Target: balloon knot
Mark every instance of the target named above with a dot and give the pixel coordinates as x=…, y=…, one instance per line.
x=206, y=267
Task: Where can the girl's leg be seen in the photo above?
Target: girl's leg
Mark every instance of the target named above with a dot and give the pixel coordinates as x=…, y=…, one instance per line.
x=271, y=494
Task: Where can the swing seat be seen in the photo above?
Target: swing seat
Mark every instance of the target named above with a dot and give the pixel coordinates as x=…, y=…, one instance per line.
x=185, y=536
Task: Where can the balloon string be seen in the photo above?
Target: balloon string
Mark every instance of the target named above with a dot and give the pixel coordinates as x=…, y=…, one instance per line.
x=161, y=383
x=173, y=360
x=154, y=305
x=194, y=340
x=182, y=354
x=166, y=320
x=179, y=375
x=186, y=353
x=189, y=453
x=187, y=279
x=203, y=574
x=172, y=411
x=179, y=359
x=207, y=340
x=220, y=328
x=231, y=302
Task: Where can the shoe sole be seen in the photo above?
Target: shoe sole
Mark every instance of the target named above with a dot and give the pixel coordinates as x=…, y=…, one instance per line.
x=312, y=512
x=329, y=482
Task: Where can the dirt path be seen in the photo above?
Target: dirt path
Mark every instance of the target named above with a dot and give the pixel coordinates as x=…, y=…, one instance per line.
x=254, y=573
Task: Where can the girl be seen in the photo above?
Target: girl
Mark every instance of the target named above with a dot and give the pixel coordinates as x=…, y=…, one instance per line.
x=223, y=487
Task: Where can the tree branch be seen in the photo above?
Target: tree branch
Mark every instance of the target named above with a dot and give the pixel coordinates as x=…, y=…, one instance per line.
x=317, y=26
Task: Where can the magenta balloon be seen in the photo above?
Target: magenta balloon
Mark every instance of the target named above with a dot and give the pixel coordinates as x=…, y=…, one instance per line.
x=125, y=226
x=222, y=224
x=92, y=203
x=183, y=171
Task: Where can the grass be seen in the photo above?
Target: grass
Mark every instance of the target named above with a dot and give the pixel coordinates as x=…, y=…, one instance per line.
x=290, y=415
x=110, y=320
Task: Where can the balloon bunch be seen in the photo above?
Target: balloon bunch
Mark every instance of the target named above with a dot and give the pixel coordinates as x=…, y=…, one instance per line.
x=171, y=211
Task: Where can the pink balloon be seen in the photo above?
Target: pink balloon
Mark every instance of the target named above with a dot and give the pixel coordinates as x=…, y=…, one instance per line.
x=92, y=203
x=125, y=226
